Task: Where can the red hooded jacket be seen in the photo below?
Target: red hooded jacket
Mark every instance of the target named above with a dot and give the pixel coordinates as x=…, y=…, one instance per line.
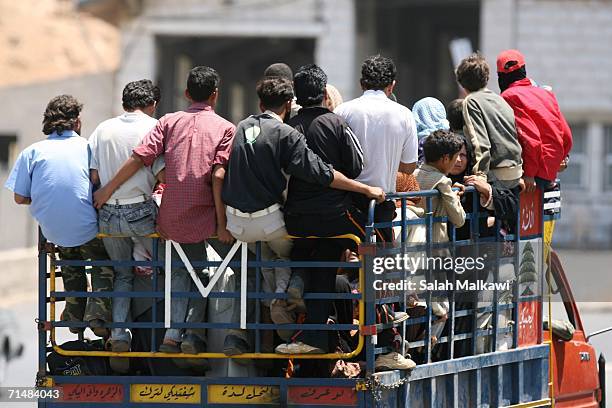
x=542, y=130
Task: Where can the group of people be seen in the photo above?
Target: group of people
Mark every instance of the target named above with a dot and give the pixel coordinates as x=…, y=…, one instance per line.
x=306, y=165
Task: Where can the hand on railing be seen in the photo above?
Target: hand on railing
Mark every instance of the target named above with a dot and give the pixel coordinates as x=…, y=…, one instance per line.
x=376, y=193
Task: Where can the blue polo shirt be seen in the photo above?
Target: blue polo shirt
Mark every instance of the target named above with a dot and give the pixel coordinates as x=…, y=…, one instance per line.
x=54, y=173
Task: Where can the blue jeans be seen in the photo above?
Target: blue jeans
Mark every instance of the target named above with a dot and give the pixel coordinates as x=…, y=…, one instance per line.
x=193, y=310
x=133, y=222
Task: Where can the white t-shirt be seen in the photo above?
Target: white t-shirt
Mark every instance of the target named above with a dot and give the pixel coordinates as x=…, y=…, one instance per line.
x=111, y=144
x=387, y=133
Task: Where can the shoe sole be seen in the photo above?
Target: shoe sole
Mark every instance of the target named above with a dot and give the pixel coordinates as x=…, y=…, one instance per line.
x=232, y=351
x=189, y=348
x=401, y=319
x=295, y=301
x=120, y=364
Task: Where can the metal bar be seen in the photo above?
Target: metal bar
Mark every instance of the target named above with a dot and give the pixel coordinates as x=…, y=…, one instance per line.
x=429, y=235
x=257, y=302
x=155, y=253
x=243, y=285
x=42, y=304
x=168, y=284
x=478, y=386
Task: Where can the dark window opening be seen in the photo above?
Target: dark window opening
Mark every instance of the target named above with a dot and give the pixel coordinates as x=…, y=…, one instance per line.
x=7, y=150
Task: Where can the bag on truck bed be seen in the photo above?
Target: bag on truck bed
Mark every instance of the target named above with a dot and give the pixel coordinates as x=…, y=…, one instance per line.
x=79, y=365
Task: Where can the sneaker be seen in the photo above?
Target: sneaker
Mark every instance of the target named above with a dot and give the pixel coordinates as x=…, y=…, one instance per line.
x=97, y=327
x=192, y=344
x=279, y=314
x=399, y=317
x=73, y=330
x=235, y=345
x=295, y=301
x=298, y=348
x=119, y=365
x=393, y=361
x=169, y=346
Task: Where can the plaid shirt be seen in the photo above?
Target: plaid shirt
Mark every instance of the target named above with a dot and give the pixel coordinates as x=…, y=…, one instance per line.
x=192, y=142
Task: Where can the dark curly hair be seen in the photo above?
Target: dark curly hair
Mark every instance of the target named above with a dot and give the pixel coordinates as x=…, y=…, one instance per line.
x=278, y=69
x=202, y=82
x=309, y=83
x=473, y=72
x=454, y=114
x=377, y=72
x=62, y=113
x=441, y=143
x=274, y=92
x=140, y=94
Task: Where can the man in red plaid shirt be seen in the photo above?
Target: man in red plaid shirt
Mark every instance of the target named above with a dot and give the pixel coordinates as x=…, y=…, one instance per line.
x=196, y=144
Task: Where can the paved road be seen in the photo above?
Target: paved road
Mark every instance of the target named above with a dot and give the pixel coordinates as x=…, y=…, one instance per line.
x=587, y=271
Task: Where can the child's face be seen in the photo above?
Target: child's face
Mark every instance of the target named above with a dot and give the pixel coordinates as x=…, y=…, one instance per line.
x=448, y=162
x=460, y=163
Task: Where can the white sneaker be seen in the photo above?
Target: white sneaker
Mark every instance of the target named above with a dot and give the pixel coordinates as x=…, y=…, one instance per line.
x=393, y=361
x=297, y=348
x=399, y=317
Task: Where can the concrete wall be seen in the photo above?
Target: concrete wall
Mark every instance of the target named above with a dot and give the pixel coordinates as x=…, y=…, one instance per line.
x=567, y=45
x=331, y=23
x=22, y=112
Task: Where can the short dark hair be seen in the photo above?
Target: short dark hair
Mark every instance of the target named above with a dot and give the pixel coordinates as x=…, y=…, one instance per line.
x=62, y=113
x=279, y=69
x=202, y=82
x=377, y=72
x=309, y=83
x=454, y=114
x=473, y=72
x=441, y=143
x=140, y=94
x=274, y=92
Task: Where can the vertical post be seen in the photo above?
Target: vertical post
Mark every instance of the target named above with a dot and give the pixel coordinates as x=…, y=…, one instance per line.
x=155, y=253
x=428, y=275
x=257, y=300
x=168, y=284
x=516, y=294
x=243, y=285
x=42, y=304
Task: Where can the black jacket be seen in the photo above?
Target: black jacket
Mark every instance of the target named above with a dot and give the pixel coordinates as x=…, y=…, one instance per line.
x=329, y=136
x=265, y=150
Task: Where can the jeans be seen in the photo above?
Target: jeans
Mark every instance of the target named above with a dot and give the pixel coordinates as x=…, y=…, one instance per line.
x=133, y=222
x=193, y=310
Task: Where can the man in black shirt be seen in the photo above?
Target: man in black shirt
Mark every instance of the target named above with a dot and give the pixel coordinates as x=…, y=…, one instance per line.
x=265, y=151
x=313, y=209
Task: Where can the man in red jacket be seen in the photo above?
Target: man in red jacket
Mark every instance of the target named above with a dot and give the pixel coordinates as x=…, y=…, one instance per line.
x=543, y=132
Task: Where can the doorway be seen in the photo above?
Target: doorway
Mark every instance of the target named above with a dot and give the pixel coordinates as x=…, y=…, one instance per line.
x=240, y=62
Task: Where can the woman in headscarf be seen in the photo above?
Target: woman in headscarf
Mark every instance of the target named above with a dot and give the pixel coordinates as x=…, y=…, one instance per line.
x=430, y=115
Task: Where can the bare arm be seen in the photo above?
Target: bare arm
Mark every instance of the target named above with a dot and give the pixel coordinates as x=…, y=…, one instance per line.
x=407, y=168
x=19, y=199
x=94, y=177
x=341, y=182
x=127, y=170
x=217, y=187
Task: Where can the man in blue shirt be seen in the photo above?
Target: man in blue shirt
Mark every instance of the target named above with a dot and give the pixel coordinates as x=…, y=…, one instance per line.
x=52, y=176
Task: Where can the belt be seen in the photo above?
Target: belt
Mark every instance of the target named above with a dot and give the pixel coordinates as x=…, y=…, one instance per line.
x=126, y=201
x=256, y=214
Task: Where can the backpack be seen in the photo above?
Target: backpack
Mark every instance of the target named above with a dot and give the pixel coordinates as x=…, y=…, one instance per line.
x=79, y=365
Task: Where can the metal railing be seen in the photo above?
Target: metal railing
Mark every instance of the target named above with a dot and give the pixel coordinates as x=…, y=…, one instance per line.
x=368, y=327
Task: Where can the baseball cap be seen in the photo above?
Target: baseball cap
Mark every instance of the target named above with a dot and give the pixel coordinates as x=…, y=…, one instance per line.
x=509, y=61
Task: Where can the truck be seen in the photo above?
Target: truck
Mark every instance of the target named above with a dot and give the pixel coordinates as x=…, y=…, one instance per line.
x=500, y=346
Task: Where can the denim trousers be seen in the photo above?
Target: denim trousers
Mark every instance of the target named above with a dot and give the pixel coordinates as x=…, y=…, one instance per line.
x=132, y=222
x=193, y=310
